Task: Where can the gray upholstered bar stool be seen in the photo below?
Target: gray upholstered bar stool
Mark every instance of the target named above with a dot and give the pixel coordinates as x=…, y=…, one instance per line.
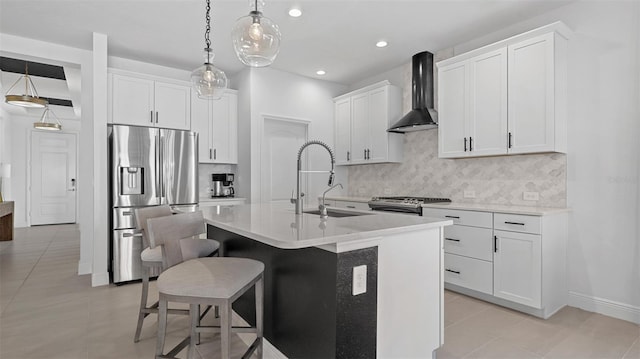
x=215, y=281
x=152, y=259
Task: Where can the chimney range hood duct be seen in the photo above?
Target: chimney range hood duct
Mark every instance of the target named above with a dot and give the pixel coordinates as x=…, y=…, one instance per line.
x=423, y=116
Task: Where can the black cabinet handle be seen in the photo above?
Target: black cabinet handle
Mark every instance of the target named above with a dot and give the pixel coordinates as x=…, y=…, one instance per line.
x=509, y=139
x=210, y=154
x=351, y=207
x=156, y=116
x=495, y=244
x=516, y=223
x=465, y=144
x=151, y=112
x=348, y=156
x=365, y=153
x=453, y=271
x=455, y=217
x=215, y=155
x=470, y=143
x=452, y=240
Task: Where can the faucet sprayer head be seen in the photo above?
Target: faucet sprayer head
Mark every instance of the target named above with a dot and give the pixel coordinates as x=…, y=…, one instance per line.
x=331, y=178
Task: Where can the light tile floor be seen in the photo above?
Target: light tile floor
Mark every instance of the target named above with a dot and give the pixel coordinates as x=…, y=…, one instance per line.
x=48, y=311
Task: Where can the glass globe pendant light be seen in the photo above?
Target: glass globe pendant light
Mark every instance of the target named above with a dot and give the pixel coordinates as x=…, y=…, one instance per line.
x=256, y=39
x=209, y=81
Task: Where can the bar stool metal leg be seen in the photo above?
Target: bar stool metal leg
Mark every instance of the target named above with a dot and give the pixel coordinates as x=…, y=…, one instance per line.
x=259, y=289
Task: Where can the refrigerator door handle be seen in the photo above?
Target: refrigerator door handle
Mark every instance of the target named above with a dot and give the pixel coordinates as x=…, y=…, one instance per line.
x=157, y=160
x=161, y=170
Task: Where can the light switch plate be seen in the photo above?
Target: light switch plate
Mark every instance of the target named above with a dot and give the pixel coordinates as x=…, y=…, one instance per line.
x=359, y=280
x=530, y=196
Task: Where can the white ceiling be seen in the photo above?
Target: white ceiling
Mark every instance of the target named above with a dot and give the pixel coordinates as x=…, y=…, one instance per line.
x=337, y=36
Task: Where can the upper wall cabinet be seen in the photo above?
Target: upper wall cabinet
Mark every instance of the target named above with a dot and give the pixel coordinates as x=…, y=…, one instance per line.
x=362, y=118
x=216, y=122
x=144, y=101
x=505, y=98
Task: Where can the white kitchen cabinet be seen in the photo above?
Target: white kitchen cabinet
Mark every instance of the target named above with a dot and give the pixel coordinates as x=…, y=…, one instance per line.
x=145, y=101
x=514, y=260
x=537, y=95
x=362, y=118
x=505, y=98
x=473, y=101
x=517, y=267
x=468, y=247
x=216, y=121
x=343, y=130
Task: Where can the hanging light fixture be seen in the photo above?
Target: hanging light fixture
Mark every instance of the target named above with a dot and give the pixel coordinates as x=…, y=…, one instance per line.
x=45, y=124
x=256, y=38
x=30, y=97
x=208, y=81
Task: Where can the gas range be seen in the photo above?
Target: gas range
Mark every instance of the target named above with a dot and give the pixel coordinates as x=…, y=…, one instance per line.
x=403, y=204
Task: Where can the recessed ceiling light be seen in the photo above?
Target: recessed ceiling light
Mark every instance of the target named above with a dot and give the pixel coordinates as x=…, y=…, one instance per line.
x=295, y=12
x=321, y=72
x=381, y=43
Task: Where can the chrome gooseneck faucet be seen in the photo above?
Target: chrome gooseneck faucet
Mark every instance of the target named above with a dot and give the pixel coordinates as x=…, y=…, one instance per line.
x=298, y=199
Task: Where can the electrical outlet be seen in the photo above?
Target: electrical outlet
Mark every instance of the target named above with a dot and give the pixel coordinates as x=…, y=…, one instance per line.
x=361, y=191
x=359, y=280
x=469, y=194
x=387, y=191
x=530, y=196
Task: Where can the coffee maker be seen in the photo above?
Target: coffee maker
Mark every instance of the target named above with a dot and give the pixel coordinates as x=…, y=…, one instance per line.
x=221, y=185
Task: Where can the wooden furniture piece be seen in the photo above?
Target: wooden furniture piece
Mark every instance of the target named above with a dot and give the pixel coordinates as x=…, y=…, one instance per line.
x=152, y=259
x=209, y=281
x=6, y=221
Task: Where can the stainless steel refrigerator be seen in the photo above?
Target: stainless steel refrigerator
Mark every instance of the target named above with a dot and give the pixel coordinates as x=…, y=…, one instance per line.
x=147, y=167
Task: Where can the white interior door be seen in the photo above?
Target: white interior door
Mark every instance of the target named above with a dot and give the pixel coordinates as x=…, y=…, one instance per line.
x=280, y=144
x=53, y=178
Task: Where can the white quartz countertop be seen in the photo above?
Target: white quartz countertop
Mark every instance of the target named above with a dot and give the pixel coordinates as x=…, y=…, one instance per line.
x=277, y=225
x=221, y=199
x=526, y=210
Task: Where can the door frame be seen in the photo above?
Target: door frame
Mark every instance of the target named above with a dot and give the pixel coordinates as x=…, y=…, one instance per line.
x=30, y=170
x=282, y=119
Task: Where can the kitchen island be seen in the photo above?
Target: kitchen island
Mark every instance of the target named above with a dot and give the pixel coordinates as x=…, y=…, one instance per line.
x=362, y=285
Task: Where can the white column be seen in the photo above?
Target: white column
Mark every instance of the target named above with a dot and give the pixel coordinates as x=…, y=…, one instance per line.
x=100, y=274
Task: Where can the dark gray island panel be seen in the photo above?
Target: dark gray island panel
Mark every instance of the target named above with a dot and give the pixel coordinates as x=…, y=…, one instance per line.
x=309, y=308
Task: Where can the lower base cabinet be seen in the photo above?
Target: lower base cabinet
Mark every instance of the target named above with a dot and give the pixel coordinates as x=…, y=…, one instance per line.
x=513, y=260
x=517, y=265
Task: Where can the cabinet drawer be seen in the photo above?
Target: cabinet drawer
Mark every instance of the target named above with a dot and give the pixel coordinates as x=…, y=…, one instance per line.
x=517, y=223
x=352, y=205
x=469, y=242
x=467, y=218
x=469, y=273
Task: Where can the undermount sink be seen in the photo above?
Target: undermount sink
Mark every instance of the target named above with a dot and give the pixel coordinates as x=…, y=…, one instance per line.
x=338, y=214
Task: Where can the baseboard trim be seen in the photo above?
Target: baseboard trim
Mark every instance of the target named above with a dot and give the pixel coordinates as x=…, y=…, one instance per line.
x=606, y=307
x=84, y=268
x=99, y=279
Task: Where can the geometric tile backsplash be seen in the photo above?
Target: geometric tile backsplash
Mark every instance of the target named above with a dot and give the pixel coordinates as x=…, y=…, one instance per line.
x=495, y=180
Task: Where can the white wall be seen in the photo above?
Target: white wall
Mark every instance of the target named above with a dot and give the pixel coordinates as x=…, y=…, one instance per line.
x=53, y=53
x=281, y=94
x=604, y=151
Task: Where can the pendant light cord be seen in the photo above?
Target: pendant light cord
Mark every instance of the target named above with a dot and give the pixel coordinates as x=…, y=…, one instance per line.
x=207, y=31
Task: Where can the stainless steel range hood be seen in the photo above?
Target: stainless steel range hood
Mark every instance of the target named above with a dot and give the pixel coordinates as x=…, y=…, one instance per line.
x=423, y=116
